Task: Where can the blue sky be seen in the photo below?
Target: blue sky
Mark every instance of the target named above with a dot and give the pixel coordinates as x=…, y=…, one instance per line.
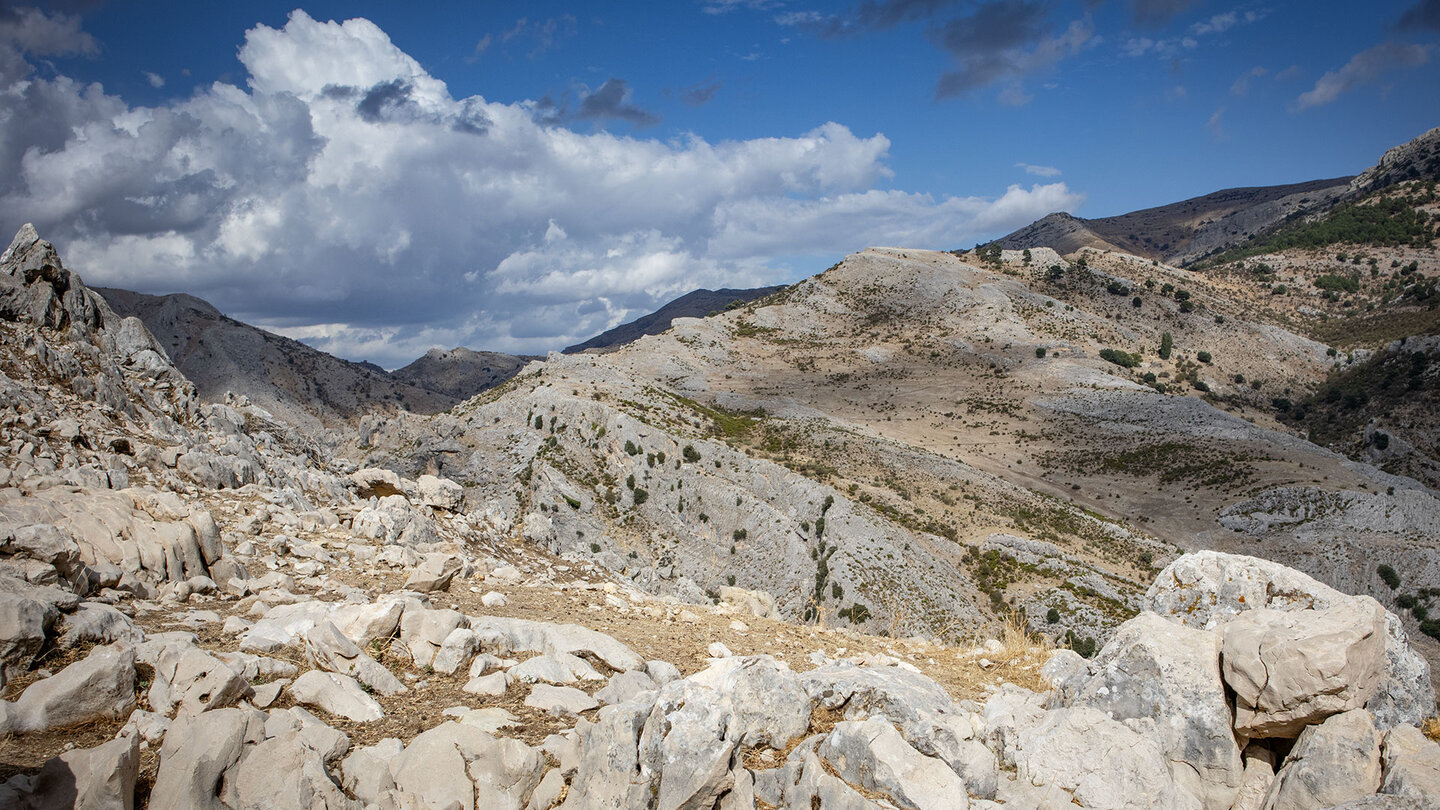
x=519, y=176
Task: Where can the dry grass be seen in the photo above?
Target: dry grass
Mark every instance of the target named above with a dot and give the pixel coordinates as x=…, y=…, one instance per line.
x=1431, y=727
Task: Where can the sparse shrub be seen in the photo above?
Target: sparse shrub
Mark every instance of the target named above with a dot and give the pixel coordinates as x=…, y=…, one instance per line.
x=641, y=496
x=574, y=503
x=690, y=454
x=1187, y=306
x=594, y=548
x=631, y=449
x=1204, y=356
x=730, y=580
x=1381, y=440
x=1167, y=345
x=1052, y=615
x=1135, y=302
x=1039, y=351
x=739, y=534
x=1388, y=575
x=539, y=423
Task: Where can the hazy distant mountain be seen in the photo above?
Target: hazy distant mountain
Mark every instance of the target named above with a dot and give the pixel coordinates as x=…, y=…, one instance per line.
x=297, y=382
x=460, y=372
x=695, y=304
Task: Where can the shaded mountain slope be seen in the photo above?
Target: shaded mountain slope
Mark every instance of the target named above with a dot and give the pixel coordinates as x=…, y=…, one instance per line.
x=460, y=372
x=690, y=305
x=296, y=382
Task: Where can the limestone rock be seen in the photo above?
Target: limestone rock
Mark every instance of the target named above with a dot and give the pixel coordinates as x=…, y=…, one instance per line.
x=1159, y=671
x=423, y=632
x=1411, y=766
x=197, y=752
x=561, y=701
x=337, y=694
x=1207, y=589
x=462, y=764
x=1104, y=764
x=561, y=669
x=434, y=574
x=1292, y=669
x=99, y=778
x=100, y=686
x=757, y=603
x=191, y=680
x=440, y=493
x=1333, y=762
x=331, y=650
x=872, y=754
x=545, y=637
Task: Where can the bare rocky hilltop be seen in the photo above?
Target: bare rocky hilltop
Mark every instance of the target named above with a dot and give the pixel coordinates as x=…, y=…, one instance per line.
x=1002, y=528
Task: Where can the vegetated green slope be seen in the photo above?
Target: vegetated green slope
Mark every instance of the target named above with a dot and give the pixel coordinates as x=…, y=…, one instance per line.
x=1397, y=388
x=1391, y=219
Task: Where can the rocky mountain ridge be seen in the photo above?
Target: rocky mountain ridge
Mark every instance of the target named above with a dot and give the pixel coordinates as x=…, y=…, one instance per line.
x=635, y=579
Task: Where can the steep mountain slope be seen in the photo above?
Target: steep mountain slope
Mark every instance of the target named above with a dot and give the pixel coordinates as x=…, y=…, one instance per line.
x=303, y=385
x=1185, y=231
x=694, y=304
x=460, y=372
x=885, y=441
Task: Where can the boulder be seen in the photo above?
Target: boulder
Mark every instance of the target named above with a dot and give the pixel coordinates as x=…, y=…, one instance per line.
x=757, y=603
x=24, y=625
x=1334, y=762
x=434, y=574
x=197, y=752
x=367, y=773
x=423, y=632
x=1104, y=764
x=376, y=482
x=1207, y=589
x=97, y=623
x=100, y=686
x=190, y=680
x=561, y=701
x=546, y=637
x=337, y=694
x=333, y=651
x=463, y=765
x=768, y=703
x=686, y=746
x=560, y=669
x=287, y=769
x=625, y=685
x=99, y=778
x=873, y=755
x=1410, y=762
x=440, y=493
x=1168, y=675
x=1290, y=669
x=455, y=652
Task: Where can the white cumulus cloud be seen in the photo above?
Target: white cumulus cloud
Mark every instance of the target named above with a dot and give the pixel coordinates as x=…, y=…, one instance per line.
x=343, y=196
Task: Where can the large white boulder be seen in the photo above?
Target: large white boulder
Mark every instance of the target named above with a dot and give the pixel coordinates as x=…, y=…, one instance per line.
x=100, y=686
x=873, y=755
x=1411, y=765
x=1207, y=589
x=1333, y=762
x=1103, y=763
x=1168, y=676
x=1293, y=669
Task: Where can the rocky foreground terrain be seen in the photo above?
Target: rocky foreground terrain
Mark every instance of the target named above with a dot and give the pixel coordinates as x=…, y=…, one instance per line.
x=203, y=606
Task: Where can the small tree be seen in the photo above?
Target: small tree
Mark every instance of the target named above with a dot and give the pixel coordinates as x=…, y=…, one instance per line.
x=690, y=454
x=1167, y=343
x=1039, y=351
x=1203, y=356
x=1388, y=575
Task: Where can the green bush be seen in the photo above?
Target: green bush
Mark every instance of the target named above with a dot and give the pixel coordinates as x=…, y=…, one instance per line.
x=1039, y=351
x=690, y=454
x=1203, y=356
x=1388, y=575
x=1052, y=615
x=631, y=449
x=1120, y=358
x=641, y=496
x=1167, y=345
x=1330, y=281
x=539, y=423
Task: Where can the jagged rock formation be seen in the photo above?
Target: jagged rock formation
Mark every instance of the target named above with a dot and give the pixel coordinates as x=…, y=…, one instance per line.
x=696, y=304
x=302, y=385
